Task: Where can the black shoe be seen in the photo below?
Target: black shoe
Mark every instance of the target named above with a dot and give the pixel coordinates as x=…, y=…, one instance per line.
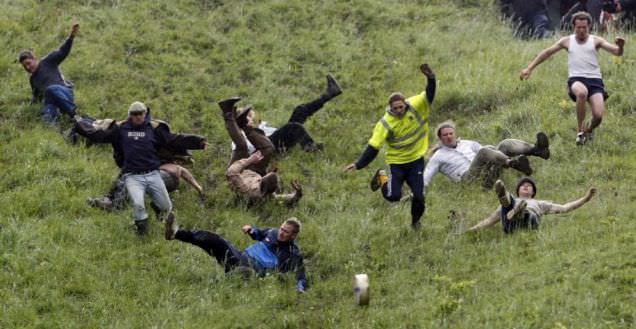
x=522, y=164
x=375, y=183
x=542, y=146
x=171, y=227
x=227, y=105
x=333, y=88
x=141, y=227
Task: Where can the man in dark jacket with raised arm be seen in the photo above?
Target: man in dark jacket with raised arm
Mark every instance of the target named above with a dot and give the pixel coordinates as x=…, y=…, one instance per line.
x=404, y=129
x=47, y=81
x=276, y=249
x=136, y=144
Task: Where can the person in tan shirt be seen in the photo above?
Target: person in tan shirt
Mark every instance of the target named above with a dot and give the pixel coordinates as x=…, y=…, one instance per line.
x=247, y=175
x=525, y=211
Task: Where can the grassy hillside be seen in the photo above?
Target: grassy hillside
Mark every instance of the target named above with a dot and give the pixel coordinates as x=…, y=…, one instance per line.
x=64, y=265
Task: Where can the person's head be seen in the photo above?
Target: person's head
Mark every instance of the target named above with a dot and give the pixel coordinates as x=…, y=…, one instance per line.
x=526, y=188
x=289, y=230
x=446, y=133
x=137, y=113
x=28, y=60
x=269, y=183
x=397, y=104
x=245, y=116
x=581, y=23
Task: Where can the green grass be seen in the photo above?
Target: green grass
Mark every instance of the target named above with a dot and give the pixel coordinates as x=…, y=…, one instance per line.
x=64, y=265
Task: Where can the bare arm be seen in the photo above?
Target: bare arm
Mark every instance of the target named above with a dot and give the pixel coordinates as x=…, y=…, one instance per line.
x=488, y=222
x=543, y=55
x=559, y=209
x=616, y=49
x=187, y=176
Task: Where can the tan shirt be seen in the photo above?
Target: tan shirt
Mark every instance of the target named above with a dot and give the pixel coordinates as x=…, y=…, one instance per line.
x=244, y=182
x=538, y=207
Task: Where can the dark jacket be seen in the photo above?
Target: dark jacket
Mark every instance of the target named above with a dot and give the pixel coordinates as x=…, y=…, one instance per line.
x=116, y=133
x=48, y=72
x=288, y=254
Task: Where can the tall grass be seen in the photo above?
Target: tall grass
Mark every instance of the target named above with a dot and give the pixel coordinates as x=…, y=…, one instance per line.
x=65, y=265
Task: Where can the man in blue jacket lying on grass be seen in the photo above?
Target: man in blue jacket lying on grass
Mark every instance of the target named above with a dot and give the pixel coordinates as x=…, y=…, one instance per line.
x=275, y=249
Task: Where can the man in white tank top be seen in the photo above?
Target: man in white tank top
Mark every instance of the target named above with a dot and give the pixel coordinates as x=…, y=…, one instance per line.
x=585, y=82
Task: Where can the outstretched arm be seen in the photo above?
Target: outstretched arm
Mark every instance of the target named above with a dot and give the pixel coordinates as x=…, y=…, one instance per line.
x=59, y=55
x=431, y=84
x=559, y=209
x=367, y=157
x=488, y=222
x=616, y=49
x=187, y=176
x=543, y=55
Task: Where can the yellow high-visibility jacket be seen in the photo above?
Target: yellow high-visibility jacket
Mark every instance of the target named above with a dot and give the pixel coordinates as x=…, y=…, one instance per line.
x=406, y=137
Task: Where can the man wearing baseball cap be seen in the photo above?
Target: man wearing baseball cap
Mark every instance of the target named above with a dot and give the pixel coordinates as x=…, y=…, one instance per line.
x=136, y=143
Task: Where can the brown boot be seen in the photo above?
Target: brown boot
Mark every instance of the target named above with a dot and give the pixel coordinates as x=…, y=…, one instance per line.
x=502, y=194
x=227, y=105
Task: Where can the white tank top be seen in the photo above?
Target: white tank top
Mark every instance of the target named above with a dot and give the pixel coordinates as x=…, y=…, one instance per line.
x=582, y=59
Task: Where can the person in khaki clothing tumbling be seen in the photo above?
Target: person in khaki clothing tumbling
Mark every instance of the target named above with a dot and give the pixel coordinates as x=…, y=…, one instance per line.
x=525, y=211
x=247, y=175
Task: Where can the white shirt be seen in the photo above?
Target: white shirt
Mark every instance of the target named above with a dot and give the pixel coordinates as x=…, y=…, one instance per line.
x=583, y=59
x=262, y=126
x=452, y=162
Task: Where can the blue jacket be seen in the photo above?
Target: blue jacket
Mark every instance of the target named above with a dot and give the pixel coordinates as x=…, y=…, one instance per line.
x=270, y=254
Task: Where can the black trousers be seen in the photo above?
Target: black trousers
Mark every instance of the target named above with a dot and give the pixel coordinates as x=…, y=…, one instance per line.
x=413, y=174
x=216, y=246
x=294, y=132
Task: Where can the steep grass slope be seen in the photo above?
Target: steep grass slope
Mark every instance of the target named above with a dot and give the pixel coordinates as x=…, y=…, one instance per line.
x=64, y=265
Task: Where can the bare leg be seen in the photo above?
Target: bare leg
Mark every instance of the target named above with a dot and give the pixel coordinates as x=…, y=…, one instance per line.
x=598, y=107
x=580, y=92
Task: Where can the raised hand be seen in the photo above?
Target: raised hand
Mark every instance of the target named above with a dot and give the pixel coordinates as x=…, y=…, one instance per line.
x=428, y=72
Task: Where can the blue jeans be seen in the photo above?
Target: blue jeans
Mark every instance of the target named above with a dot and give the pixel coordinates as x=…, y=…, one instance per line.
x=57, y=97
x=138, y=185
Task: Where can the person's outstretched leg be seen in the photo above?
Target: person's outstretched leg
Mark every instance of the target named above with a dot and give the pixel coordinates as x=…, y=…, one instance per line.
x=392, y=189
x=224, y=252
x=598, y=107
x=489, y=156
x=578, y=92
x=515, y=147
x=415, y=180
x=229, y=117
x=62, y=98
x=291, y=134
x=136, y=187
x=303, y=112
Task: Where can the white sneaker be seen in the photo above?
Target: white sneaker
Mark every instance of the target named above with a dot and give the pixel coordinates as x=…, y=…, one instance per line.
x=580, y=138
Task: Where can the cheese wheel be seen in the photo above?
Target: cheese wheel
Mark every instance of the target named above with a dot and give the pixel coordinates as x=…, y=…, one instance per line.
x=361, y=289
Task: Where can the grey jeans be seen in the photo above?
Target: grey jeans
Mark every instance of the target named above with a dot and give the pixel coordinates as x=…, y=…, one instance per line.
x=493, y=159
x=138, y=185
